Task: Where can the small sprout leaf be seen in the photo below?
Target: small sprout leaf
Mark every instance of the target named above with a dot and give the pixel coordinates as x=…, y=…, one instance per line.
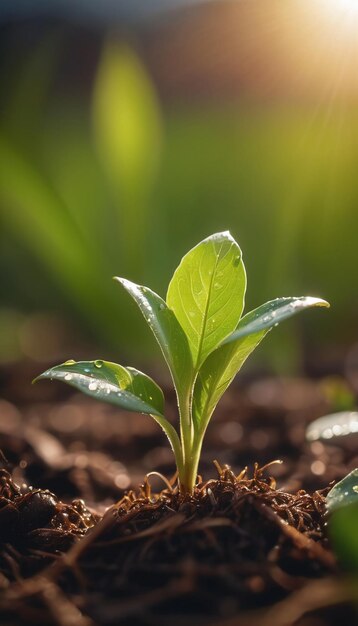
x=222, y=365
x=343, y=493
x=207, y=293
x=272, y=313
x=334, y=425
x=123, y=386
x=342, y=529
x=167, y=331
x=342, y=505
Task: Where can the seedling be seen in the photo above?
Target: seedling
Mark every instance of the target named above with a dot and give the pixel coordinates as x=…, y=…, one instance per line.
x=204, y=340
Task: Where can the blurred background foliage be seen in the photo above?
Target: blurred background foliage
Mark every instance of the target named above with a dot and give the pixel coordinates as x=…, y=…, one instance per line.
x=128, y=133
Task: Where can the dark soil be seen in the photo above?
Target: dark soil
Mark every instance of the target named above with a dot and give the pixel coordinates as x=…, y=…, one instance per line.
x=241, y=551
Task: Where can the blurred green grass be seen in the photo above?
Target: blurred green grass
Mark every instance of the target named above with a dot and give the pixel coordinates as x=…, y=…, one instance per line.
x=122, y=185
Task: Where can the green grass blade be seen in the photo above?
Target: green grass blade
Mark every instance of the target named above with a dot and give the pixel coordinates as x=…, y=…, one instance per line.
x=207, y=293
x=128, y=133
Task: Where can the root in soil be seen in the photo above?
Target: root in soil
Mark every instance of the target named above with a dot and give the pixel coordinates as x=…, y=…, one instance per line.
x=221, y=556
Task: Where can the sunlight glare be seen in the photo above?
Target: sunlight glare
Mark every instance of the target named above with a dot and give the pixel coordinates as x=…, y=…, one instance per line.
x=344, y=6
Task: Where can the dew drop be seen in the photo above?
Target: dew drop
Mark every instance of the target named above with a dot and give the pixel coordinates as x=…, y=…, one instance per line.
x=70, y=362
x=92, y=386
x=98, y=363
x=68, y=377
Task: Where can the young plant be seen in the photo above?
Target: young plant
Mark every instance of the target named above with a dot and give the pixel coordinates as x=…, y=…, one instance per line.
x=204, y=340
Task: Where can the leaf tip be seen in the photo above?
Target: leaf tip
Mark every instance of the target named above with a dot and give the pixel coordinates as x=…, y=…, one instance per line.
x=39, y=377
x=224, y=235
x=127, y=284
x=321, y=303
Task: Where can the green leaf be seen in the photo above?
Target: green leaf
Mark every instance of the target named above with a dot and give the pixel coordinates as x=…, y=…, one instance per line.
x=272, y=313
x=36, y=217
x=342, y=505
x=343, y=493
x=342, y=528
x=207, y=293
x=126, y=118
x=217, y=372
x=221, y=367
x=123, y=386
x=128, y=133
x=167, y=331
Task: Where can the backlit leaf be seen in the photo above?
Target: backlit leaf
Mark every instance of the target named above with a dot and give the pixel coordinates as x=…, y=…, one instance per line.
x=220, y=368
x=272, y=313
x=207, y=293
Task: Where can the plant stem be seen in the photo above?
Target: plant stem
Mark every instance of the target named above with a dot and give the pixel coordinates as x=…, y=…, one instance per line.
x=187, y=439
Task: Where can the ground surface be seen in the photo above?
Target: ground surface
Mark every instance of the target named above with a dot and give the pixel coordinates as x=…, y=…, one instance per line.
x=244, y=550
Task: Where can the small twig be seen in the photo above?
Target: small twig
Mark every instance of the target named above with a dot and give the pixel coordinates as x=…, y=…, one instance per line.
x=169, y=523
x=316, y=595
x=299, y=539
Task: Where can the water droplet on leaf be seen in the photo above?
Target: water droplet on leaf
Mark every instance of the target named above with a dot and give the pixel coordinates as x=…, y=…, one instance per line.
x=98, y=363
